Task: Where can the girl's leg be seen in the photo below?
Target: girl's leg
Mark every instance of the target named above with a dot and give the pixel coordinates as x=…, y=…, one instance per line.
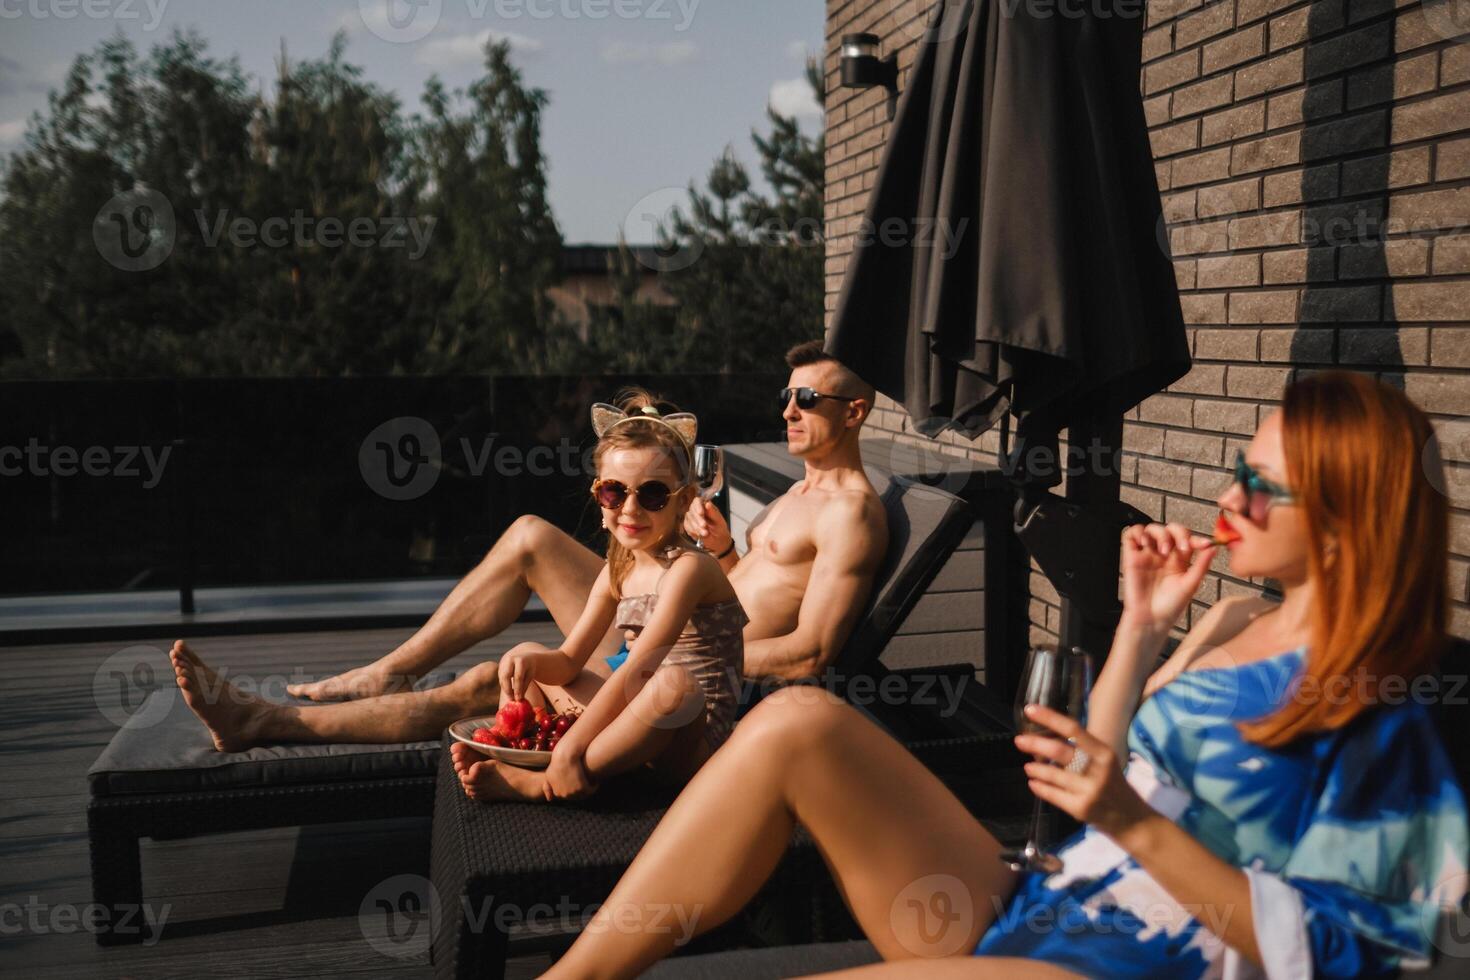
x=921, y=875
x=656, y=721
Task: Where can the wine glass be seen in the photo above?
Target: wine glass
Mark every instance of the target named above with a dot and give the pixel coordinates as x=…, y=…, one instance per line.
x=709, y=470
x=1060, y=680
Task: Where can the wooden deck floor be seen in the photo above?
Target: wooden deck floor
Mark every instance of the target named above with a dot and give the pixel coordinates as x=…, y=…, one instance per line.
x=274, y=903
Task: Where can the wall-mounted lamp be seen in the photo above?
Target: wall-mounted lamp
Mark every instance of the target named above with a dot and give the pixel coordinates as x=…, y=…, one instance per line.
x=862, y=68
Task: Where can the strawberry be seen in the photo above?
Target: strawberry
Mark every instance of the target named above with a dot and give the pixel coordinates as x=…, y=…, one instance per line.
x=1224, y=532
x=484, y=736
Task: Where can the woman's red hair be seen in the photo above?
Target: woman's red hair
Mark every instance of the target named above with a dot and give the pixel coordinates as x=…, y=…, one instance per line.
x=1363, y=464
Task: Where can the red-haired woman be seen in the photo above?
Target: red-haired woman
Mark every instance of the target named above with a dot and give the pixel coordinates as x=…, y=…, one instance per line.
x=1286, y=805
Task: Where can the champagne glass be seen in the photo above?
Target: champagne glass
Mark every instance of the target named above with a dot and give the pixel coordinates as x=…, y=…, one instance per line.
x=1060, y=680
x=709, y=472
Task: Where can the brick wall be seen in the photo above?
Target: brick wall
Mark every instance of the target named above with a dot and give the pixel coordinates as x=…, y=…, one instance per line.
x=1314, y=162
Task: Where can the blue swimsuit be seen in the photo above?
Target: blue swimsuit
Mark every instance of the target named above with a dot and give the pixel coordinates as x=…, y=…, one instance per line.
x=1352, y=840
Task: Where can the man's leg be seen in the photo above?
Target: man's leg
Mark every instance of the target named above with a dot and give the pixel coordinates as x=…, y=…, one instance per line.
x=237, y=719
x=532, y=556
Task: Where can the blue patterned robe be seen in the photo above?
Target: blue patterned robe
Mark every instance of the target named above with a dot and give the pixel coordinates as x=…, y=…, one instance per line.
x=1352, y=840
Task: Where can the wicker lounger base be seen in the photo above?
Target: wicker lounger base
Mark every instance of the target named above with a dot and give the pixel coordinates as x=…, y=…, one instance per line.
x=492, y=863
x=116, y=824
x=161, y=778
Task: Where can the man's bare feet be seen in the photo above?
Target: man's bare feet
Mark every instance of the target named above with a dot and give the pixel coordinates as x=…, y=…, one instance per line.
x=233, y=717
x=361, y=682
x=486, y=780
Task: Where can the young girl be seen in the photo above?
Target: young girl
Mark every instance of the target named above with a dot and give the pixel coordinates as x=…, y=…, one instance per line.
x=671, y=702
x=1287, y=808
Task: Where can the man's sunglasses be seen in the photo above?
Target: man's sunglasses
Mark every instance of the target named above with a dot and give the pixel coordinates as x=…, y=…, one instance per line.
x=652, y=496
x=1257, y=488
x=807, y=398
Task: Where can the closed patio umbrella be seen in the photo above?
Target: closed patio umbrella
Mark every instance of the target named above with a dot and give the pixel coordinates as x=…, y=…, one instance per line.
x=1010, y=256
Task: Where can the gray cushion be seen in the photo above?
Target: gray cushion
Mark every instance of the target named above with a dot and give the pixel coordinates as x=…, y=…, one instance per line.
x=766, y=964
x=925, y=525
x=163, y=748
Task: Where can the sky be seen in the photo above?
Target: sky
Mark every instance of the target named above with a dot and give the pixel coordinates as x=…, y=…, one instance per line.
x=645, y=94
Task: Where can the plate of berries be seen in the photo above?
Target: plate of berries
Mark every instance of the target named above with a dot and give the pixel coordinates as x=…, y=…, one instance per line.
x=518, y=733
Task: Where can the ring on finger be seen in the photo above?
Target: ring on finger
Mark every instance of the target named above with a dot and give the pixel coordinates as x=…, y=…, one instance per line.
x=1079, y=761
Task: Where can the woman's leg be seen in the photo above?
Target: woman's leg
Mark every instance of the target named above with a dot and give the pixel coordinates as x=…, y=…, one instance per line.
x=921, y=875
x=957, y=968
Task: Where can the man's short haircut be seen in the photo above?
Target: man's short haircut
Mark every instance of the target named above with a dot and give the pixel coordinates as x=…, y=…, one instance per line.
x=812, y=352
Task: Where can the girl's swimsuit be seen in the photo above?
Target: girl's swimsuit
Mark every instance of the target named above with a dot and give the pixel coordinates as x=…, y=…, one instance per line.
x=1352, y=840
x=711, y=647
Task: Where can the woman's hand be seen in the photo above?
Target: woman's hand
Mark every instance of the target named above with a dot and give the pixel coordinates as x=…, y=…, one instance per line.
x=567, y=777
x=1097, y=794
x=704, y=523
x=517, y=671
x=1163, y=566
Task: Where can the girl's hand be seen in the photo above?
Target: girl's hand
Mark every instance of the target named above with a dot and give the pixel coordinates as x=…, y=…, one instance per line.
x=567, y=777
x=1163, y=566
x=517, y=671
x=1097, y=794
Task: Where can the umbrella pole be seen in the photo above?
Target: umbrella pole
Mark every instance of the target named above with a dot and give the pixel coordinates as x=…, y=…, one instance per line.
x=1095, y=443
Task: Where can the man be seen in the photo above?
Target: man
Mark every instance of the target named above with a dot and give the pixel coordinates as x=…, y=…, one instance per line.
x=809, y=565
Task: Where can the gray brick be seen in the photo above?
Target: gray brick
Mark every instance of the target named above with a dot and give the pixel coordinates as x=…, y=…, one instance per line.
x=1375, y=260
x=1449, y=347
x=1225, y=416
x=1226, y=345
x=1301, y=346
x=1202, y=379
x=1165, y=410
x=1383, y=346
x=1193, y=447
x=1256, y=382
x=1341, y=304
x=1209, y=483
x=1446, y=394
x=1161, y=475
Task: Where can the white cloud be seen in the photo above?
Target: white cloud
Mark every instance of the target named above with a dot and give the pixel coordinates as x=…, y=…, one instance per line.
x=629, y=53
x=11, y=132
x=463, y=49
x=797, y=51
x=794, y=97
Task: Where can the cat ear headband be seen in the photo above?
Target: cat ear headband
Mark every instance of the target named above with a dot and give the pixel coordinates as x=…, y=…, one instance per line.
x=605, y=417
